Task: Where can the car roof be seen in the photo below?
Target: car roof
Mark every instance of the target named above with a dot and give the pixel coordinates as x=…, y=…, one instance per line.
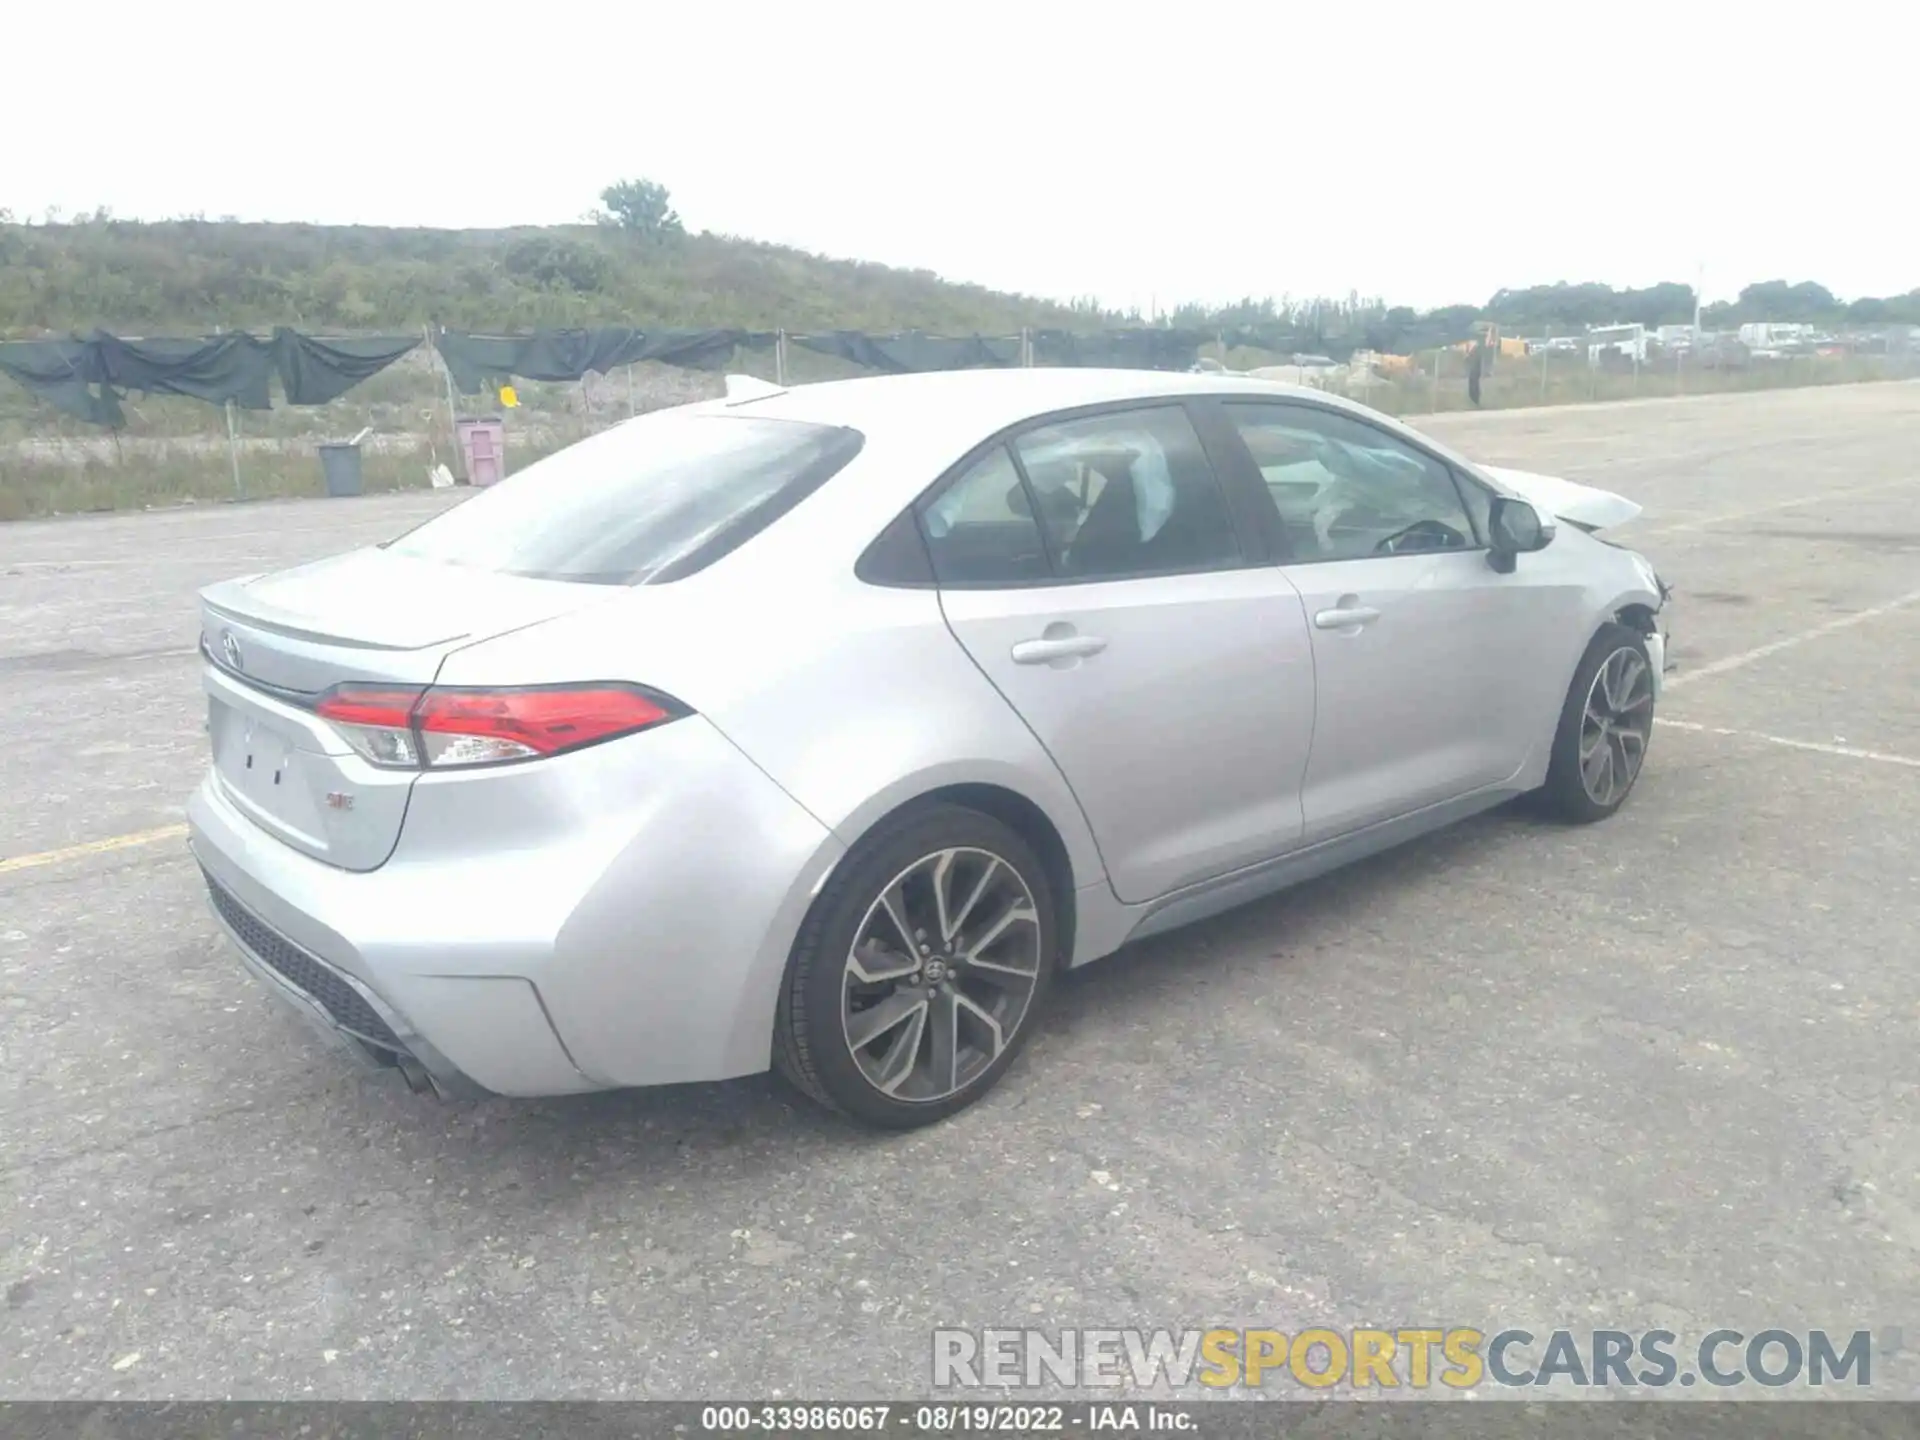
x=978, y=403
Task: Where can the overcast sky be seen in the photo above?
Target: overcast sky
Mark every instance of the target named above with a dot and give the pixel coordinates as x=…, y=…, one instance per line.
x=1141, y=152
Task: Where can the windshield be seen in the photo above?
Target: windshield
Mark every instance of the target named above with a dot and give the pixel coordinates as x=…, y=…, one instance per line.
x=650, y=501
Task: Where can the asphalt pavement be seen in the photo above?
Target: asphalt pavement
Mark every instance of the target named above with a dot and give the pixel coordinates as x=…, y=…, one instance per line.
x=1656, y=1072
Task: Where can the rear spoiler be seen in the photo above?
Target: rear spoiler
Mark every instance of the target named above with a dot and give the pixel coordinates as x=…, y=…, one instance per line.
x=741, y=388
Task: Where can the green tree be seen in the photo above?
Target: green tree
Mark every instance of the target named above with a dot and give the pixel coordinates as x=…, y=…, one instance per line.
x=1563, y=307
x=643, y=206
x=1777, y=300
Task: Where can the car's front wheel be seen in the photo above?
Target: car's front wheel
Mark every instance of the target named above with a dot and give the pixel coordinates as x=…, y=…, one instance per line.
x=921, y=970
x=1605, y=727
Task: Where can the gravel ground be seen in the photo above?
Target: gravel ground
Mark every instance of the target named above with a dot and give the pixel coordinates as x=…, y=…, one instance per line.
x=1658, y=1072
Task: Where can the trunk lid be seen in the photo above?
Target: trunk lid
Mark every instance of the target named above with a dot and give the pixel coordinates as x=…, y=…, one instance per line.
x=274, y=643
x=371, y=615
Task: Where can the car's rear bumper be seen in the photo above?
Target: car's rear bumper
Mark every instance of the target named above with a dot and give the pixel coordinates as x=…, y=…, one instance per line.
x=627, y=929
x=343, y=1010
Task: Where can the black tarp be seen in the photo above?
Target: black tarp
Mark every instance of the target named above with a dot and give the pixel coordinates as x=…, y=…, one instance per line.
x=62, y=373
x=701, y=349
x=1142, y=349
x=1147, y=349
x=476, y=360
x=215, y=369
x=315, y=369
x=1290, y=340
x=82, y=377
x=913, y=352
x=86, y=378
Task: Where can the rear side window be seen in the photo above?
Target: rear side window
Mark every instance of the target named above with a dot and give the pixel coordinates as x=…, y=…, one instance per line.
x=647, y=502
x=1128, y=493
x=1107, y=496
x=980, y=529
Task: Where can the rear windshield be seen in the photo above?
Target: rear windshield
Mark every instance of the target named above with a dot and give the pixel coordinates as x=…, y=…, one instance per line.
x=649, y=501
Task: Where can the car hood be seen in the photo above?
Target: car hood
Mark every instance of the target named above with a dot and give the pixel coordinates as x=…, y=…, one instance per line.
x=1568, y=500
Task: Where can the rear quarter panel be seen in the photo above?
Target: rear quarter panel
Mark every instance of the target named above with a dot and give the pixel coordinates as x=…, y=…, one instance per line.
x=854, y=699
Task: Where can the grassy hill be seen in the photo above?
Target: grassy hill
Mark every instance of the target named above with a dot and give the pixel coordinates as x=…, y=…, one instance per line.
x=191, y=276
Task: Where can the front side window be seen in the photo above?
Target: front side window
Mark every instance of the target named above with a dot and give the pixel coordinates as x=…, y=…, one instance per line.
x=649, y=501
x=1345, y=491
x=1127, y=493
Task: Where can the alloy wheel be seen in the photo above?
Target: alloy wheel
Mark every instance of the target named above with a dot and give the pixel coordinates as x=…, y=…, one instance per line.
x=1615, y=726
x=941, y=973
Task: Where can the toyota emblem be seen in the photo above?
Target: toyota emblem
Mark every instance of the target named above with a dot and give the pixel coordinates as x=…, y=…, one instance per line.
x=230, y=648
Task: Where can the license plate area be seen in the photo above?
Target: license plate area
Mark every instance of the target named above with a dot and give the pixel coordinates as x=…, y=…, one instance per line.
x=264, y=771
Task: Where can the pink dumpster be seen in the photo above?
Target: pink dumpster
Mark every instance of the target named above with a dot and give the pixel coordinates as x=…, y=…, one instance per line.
x=483, y=445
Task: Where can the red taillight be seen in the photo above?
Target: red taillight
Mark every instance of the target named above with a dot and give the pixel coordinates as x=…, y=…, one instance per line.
x=391, y=709
x=412, y=729
x=541, y=721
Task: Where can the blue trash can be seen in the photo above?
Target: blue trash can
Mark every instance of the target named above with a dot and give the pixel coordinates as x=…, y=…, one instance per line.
x=341, y=465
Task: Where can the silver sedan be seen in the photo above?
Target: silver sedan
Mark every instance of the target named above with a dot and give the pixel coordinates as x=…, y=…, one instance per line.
x=818, y=729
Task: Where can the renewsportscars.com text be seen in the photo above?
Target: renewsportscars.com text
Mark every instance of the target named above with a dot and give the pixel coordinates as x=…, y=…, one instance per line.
x=1411, y=1357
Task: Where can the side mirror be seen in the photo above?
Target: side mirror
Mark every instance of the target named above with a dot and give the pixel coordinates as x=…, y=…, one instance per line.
x=1516, y=527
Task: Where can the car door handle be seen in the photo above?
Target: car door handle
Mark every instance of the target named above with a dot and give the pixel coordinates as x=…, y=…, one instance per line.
x=1346, y=617
x=1065, y=647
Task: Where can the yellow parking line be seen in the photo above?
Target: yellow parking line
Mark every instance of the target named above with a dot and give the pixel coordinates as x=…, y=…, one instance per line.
x=93, y=847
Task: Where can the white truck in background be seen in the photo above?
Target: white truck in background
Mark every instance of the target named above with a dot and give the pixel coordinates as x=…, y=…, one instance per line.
x=1773, y=334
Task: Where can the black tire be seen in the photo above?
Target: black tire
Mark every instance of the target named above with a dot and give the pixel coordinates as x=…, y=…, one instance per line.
x=1566, y=795
x=812, y=1047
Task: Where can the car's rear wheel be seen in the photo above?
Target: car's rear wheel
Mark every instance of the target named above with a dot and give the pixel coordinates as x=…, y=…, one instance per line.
x=921, y=970
x=1605, y=728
